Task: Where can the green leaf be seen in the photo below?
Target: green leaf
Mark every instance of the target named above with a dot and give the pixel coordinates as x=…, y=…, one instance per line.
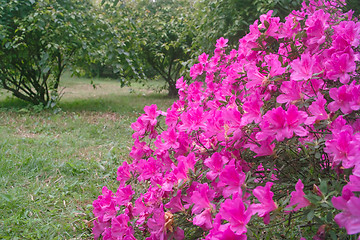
x=310, y=215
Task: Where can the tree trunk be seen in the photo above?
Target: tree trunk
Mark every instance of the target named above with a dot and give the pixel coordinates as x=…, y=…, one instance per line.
x=173, y=91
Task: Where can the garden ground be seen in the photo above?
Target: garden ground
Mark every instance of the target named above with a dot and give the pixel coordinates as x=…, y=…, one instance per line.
x=54, y=164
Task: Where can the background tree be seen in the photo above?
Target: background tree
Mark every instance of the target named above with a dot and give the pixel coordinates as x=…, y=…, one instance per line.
x=38, y=38
x=165, y=32
x=112, y=51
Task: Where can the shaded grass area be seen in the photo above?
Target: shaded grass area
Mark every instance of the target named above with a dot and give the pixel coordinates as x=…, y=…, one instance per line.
x=52, y=166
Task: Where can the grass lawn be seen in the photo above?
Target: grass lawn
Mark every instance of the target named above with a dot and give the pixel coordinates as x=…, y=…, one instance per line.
x=53, y=165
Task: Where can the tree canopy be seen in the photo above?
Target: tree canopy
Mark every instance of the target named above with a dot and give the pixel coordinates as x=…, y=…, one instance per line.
x=38, y=38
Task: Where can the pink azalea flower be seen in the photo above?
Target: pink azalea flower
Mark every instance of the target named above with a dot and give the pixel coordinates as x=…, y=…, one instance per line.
x=343, y=147
x=99, y=227
x=139, y=128
x=151, y=114
x=193, y=120
x=273, y=23
x=282, y=124
x=204, y=219
x=221, y=43
x=252, y=109
x=203, y=58
x=349, y=218
x=304, y=68
x=316, y=26
x=255, y=78
x=354, y=184
x=339, y=67
x=264, y=147
x=156, y=224
x=215, y=163
x=175, y=204
x=297, y=197
x=169, y=181
x=140, y=150
x=317, y=109
x=139, y=207
x=202, y=198
x=124, y=195
x=342, y=97
x=147, y=168
x=153, y=196
x=195, y=91
x=196, y=70
x=233, y=211
x=104, y=206
x=272, y=60
x=232, y=180
x=181, y=84
x=267, y=204
x=349, y=31
x=223, y=232
x=123, y=173
x=119, y=227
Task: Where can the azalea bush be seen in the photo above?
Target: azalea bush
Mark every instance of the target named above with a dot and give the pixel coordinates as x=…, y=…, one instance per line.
x=263, y=142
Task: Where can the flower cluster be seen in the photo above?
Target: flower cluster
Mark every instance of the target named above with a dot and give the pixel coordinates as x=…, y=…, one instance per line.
x=268, y=133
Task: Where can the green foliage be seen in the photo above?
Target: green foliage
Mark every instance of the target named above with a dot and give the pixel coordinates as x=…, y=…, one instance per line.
x=111, y=50
x=165, y=31
x=38, y=38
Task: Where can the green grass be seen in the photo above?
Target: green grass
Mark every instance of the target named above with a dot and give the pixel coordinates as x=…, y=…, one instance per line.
x=53, y=165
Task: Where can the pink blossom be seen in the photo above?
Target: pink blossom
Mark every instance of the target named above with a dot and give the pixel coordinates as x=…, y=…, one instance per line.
x=255, y=78
x=297, y=197
x=123, y=173
x=267, y=204
x=349, y=31
x=99, y=227
x=233, y=210
x=349, y=218
x=147, y=168
x=316, y=27
x=151, y=114
x=175, y=203
x=104, y=206
x=221, y=43
x=232, y=180
x=215, y=163
x=223, y=232
x=202, y=198
x=272, y=22
x=252, y=109
x=181, y=84
x=196, y=70
x=193, y=120
x=203, y=58
x=343, y=147
x=274, y=64
x=304, y=68
x=124, y=195
x=263, y=147
x=344, y=98
x=140, y=150
x=339, y=67
x=204, y=219
x=119, y=227
x=354, y=184
x=156, y=224
x=317, y=109
x=283, y=124
x=292, y=92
